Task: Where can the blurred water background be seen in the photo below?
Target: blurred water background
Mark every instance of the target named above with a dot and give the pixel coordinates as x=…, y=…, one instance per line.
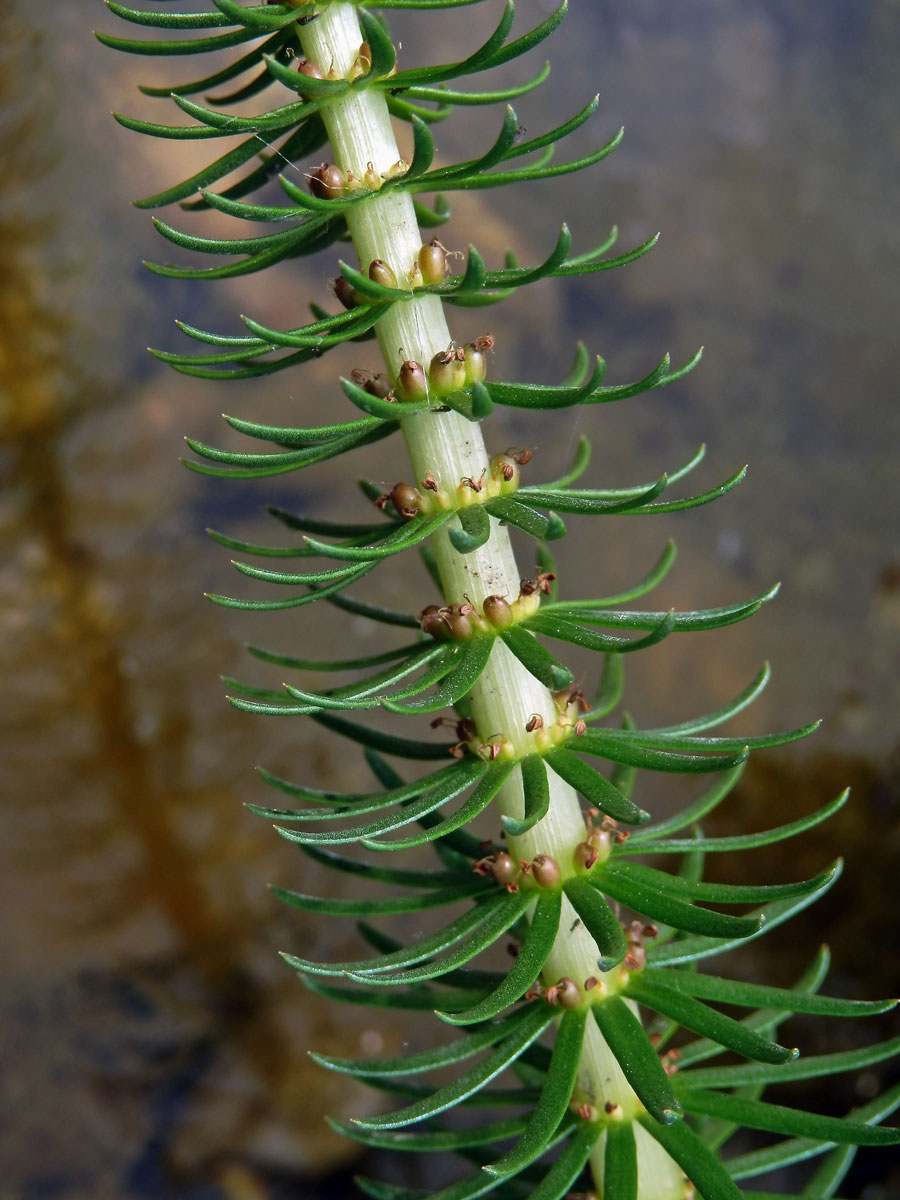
x=153, y=1043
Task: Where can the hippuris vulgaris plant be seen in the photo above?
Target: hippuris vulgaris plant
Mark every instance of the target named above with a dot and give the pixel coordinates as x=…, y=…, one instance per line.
x=600, y=1057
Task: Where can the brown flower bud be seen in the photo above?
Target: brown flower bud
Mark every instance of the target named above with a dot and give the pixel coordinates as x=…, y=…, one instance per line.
x=406, y=499
x=346, y=293
x=498, y=612
x=447, y=372
x=432, y=622
x=546, y=870
x=382, y=272
x=459, y=625
x=476, y=362
x=584, y=856
x=328, y=182
x=503, y=868
x=432, y=261
x=412, y=380
x=568, y=993
x=375, y=385
x=305, y=66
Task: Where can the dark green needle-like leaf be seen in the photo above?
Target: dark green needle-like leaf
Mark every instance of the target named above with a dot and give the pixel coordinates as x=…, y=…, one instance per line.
x=599, y=920
x=555, y=1096
x=535, y=1020
x=620, y=1171
x=536, y=659
x=536, y=794
x=702, y=1019
x=595, y=788
x=536, y=946
x=638, y=1059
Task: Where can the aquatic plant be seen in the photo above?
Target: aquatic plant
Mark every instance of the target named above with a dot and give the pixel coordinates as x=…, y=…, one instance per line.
x=628, y=1079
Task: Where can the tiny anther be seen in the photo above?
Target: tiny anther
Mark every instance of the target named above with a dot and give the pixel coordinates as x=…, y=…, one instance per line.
x=620, y=835
x=586, y=1112
x=382, y=500
x=535, y=721
x=590, y=983
x=579, y=727
x=525, y=865
x=521, y=456
x=429, y=482
x=534, y=992
x=476, y=485
x=650, y=931
x=609, y=1107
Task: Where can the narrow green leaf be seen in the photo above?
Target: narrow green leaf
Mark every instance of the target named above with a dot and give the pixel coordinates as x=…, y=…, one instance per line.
x=599, y=920
x=537, y=1018
x=420, y=1140
x=536, y=793
x=340, y=664
x=688, y=816
x=667, y=909
x=376, y=872
x=701, y=1166
x=427, y=1060
x=776, y=1118
x=536, y=659
x=717, y=893
x=799, y=1149
x=500, y=918
x=469, y=664
x=475, y=528
x=536, y=946
x=735, y=991
x=764, y=1020
x=620, y=1171
x=566, y=1169
x=513, y=512
x=702, y=1019
x=387, y=743
x=456, y=775
x=407, y=956
x=380, y=906
x=772, y=915
x=595, y=788
x=555, y=1096
x=552, y=625
x=638, y=1059
x=374, y=612
x=814, y=1067
x=494, y=778
x=746, y=841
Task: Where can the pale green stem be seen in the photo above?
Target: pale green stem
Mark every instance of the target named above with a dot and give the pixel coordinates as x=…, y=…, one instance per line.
x=506, y=696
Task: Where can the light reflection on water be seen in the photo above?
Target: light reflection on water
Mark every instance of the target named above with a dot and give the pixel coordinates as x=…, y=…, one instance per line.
x=156, y=1044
